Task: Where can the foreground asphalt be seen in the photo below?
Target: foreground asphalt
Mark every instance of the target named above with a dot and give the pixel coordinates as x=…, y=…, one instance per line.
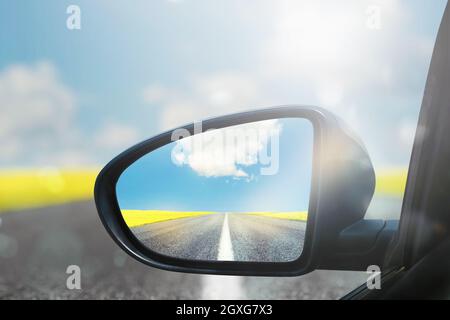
x=37, y=246
x=226, y=236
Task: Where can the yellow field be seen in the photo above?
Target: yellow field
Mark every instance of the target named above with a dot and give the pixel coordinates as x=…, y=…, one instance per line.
x=135, y=218
x=27, y=188
x=391, y=182
x=299, y=215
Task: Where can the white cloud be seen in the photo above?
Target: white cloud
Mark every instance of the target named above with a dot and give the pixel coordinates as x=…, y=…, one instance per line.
x=39, y=127
x=228, y=151
x=321, y=47
x=327, y=48
x=324, y=46
x=318, y=53
x=155, y=94
x=37, y=113
x=207, y=96
x=116, y=136
x=406, y=133
x=71, y=156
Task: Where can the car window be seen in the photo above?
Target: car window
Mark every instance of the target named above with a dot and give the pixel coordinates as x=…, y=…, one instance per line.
x=78, y=84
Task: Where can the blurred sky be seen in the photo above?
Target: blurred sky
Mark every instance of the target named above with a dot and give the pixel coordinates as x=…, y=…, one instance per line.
x=79, y=97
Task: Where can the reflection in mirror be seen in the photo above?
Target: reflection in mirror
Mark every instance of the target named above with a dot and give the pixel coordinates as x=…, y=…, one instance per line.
x=239, y=193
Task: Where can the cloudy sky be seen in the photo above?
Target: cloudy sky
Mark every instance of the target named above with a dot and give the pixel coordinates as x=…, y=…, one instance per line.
x=79, y=97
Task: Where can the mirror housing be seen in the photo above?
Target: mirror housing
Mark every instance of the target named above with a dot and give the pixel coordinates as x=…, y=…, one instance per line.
x=342, y=186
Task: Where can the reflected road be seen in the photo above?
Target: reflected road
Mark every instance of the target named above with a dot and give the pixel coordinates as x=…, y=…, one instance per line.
x=226, y=237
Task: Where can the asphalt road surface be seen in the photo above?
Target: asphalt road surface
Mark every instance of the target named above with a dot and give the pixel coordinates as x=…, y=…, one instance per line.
x=226, y=237
x=37, y=246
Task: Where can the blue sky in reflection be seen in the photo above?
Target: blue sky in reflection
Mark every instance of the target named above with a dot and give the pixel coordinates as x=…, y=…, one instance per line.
x=156, y=182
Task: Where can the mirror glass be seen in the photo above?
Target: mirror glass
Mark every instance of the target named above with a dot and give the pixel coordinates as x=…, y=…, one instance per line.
x=239, y=193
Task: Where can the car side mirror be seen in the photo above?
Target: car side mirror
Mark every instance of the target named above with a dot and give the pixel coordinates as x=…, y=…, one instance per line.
x=266, y=192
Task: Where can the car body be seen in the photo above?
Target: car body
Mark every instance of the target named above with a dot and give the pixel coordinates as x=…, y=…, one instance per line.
x=412, y=253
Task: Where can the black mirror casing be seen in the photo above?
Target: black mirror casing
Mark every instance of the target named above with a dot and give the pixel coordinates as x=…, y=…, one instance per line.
x=343, y=182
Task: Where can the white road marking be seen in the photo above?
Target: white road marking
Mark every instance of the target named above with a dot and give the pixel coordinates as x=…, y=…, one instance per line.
x=222, y=288
x=225, y=246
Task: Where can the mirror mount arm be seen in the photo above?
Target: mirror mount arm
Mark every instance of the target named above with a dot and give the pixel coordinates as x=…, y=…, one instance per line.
x=361, y=245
